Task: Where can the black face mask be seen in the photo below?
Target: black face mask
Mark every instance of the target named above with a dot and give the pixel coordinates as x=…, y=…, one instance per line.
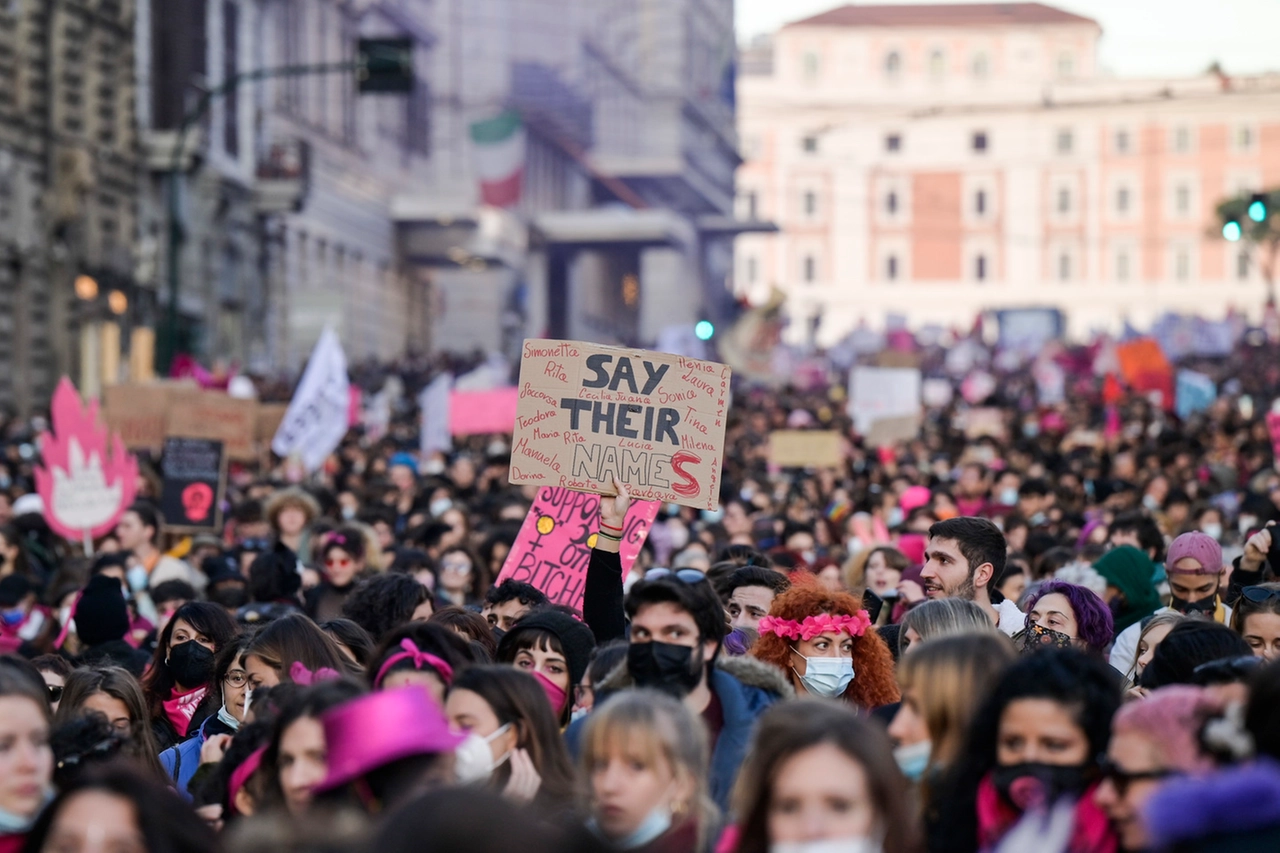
x=191, y=664
x=1204, y=607
x=1040, y=786
x=231, y=597
x=664, y=666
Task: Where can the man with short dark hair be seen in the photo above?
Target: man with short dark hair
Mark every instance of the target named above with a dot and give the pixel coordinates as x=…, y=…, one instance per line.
x=677, y=629
x=964, y=558
x=139, y=533
x=748, y=594
x=507, y=602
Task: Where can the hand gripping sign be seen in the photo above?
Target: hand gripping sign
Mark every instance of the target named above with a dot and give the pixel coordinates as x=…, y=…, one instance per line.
x=589, y=413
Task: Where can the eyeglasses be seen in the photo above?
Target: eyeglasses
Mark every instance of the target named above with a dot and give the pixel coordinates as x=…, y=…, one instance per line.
x=236, y=679
x=462, y=567
x=1122, y=778
x=688, y=576
x=55, y=692
x=1259, y=594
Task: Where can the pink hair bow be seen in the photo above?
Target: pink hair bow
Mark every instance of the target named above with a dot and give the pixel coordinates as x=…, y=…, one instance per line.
x=299, y=674
x=409, y=651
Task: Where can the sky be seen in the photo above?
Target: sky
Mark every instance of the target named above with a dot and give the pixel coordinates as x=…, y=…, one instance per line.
x=1139, y=37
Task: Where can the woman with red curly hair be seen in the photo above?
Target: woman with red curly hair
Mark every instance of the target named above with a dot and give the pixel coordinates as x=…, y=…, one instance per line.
x=824, y=641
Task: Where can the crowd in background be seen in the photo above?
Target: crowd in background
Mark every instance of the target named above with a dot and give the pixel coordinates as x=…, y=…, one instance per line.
x=1055, y=636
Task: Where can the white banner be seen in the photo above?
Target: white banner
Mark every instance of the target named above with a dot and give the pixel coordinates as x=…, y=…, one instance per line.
x=318, y=414
x=879, y=393
x=434, y=403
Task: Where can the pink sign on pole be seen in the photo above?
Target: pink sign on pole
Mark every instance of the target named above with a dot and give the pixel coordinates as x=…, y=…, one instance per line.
x=555, y=542
x=483, y=412
x=87, y=478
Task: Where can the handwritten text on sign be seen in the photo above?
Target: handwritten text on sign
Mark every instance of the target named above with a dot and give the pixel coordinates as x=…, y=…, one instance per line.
x=555, y=542
x=588, y=413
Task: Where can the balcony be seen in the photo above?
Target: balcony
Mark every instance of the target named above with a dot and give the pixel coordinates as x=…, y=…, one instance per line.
x=282, y=177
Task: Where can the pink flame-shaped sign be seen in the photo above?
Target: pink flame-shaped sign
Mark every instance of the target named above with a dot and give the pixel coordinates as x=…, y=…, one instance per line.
x=88, y=479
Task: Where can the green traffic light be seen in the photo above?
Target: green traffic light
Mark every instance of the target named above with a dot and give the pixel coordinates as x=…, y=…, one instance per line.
x=1258, y=210
x=1231, y=231
x=704, y=330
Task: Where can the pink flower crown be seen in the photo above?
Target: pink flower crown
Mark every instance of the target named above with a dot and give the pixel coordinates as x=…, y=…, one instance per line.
x=824, y=623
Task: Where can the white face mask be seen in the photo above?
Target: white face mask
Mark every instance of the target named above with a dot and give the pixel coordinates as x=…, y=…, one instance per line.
x=831, y=845
x=1213, y=531
x=439, y=507
x=474, y=759
x=826, y=676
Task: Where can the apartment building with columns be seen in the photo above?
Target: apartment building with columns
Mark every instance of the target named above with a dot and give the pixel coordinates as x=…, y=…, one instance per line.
x=933, y=162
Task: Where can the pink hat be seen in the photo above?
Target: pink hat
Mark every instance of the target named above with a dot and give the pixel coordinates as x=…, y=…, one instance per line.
x=916, y=496
x=1201, y=547
x=377, y=729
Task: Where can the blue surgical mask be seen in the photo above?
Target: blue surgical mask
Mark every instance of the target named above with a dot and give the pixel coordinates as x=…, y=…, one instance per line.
x=13, y=617
x=826, y=676
x=225, y=717
x=652, y=827
x=137, y=577
x=1008, y=497
x=895, y=516
x=913, y=759
x=713, y=516
x=439, y=507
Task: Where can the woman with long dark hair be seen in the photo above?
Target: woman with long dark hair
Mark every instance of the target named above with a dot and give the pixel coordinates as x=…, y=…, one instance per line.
x=292, y=643
x=177, y=683
x=26, y=761
x=113, y=693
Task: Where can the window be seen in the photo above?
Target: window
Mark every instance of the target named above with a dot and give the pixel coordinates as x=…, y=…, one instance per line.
x=891, y=268
x=811, y=66
x=810, y=269
x=980, y=141
x=892, y=64
x=1066, y=141
x=1122, y=266
x=1244, y=137
x=1122, y=142
x=1182, y=264
x=980, y=268
x=893, y=143
x=1122, y=200
x=980, y=202
x=1182, y=140
x=810, y=203
x=980, y=66
x=1064, y=267
x=1182, y=199
x=752, y=270
x=1064, y=200
x=809, y=144
x=753, y=206
x=891, y=203
x=1242, y=265
x=1066, y=65
x=937, y=64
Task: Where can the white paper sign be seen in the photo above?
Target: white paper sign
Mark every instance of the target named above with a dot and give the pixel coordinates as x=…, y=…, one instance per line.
x=878, y=393
x=318, y=414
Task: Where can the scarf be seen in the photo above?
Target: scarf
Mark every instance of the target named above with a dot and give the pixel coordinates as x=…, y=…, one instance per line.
x=1090, y=833
x=181, y=707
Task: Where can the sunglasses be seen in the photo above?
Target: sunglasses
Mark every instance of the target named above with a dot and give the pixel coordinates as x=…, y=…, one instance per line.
x=1259, y=594
x=55, y=692
x=339, y=561
x=686, y=576
x=1122, y=778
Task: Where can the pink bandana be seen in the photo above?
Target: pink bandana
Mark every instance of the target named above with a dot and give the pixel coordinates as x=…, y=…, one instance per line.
x=812, y=626
x=181, y=707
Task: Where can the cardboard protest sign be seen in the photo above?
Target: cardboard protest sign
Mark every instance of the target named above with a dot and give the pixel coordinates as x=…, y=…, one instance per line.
x=268, y=420
x=483, y=412
x=886, y=432
x=195, y=475
x=555, y=542
x=217, y=417
x=86, y=478
x=589, y=413
x=980, y=423
x=140, y=413
x=805, y=448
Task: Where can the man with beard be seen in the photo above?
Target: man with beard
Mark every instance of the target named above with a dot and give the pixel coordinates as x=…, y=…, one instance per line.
x=677, y=629
x=965, y=558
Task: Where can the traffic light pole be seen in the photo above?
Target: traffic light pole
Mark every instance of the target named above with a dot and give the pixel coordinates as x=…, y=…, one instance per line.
x=177, y=234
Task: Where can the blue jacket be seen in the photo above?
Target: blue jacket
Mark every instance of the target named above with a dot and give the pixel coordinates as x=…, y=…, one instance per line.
x=182, y=761
x=745, y=687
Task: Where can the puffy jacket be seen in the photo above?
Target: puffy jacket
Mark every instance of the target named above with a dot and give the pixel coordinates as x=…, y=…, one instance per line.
x=182, y=761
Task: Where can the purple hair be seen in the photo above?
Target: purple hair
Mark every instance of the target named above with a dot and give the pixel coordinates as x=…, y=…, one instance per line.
x=1093, y=617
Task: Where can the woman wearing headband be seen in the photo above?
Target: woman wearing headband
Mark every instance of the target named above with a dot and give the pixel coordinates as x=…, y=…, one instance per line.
x=422, y=655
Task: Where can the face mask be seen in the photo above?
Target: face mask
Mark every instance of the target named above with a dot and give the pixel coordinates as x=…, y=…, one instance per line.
x=833, y=845
x=137, y=577
x=1039, y=786
x=654, y=825
x=895, y=516
x=1203, y=607
x=913, y=759
x=713, y=516
x=13, y=617
x=1031, y=429
x=348, y=513
x=664, y=666
x=578, y=714
x=555, y=695
x=439, y=506
x=809, y=556
x=1213, y=531
x=225, y=717
x=474, y=759
x=231, y=597
x=1150, y=502
x=826, y=676
x=1037, y=637
x=190, y=663
x=64, y=615
x=1008, y=497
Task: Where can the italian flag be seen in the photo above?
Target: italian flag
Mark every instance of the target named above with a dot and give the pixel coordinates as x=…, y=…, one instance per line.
x=499, y=157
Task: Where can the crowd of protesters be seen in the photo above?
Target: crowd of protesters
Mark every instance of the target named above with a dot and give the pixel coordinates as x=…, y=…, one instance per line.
x=1055, y=636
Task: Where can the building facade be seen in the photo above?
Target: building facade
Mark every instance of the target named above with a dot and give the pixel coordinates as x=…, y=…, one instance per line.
x=933, y=162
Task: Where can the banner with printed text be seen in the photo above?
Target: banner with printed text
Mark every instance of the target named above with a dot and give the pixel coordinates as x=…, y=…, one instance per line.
x=588, y=413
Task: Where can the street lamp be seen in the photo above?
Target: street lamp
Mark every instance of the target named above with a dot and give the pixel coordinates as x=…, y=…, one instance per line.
x=86, y=287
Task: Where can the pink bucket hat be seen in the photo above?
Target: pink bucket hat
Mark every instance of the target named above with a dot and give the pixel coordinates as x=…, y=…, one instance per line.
x=377, y=729
x=1201, y=547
